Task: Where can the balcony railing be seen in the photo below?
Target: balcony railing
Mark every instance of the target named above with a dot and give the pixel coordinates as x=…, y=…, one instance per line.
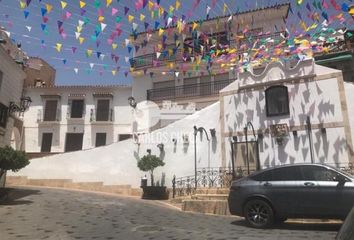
x=41, y=117
x=147, y=61
x=97, y=116
x=70, y=116
x=185, y=91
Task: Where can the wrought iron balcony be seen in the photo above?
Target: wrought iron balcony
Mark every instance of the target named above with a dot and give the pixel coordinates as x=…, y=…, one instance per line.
x=54, y=116
x=101, y=116
x=187, y=91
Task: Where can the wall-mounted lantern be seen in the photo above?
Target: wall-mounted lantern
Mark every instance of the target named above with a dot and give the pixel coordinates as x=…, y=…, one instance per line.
x=22, y=107
x=132, y=102
x=148, y=151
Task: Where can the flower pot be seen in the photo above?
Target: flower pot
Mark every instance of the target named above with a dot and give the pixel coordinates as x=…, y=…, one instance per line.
x=155, y=193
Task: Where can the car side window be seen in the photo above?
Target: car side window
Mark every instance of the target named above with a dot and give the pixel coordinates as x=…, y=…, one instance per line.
x=316, y=173
x=286, y=174
x=262, y=177
x=280, y=174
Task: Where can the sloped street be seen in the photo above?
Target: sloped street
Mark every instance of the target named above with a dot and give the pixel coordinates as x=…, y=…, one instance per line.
x=40, y=213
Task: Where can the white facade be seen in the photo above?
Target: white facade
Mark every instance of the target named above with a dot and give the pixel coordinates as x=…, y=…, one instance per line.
x=183, y=76
x=35, y=122
x=11, y=85
x=314, y=91
x=117, y=163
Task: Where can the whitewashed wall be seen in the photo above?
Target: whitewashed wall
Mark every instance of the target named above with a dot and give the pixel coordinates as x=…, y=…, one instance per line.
x=349, y=90
x=33, y=130
x=318, y=99
x=11, y=87
x=117, y=163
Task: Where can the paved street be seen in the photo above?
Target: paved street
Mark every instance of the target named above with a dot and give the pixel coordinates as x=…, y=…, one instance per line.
x=59, y=214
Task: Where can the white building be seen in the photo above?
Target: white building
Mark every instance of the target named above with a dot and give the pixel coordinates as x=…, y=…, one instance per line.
x=70, y=118
x=11, y=84
x=300, y=114
x=177, y=67
x=311, y=90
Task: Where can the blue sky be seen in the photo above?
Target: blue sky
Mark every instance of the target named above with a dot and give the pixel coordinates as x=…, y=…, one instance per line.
x=39, y=36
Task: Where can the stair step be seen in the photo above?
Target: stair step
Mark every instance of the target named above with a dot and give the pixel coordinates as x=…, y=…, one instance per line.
x=210, y=196
x=219, y=207
x=212, y=191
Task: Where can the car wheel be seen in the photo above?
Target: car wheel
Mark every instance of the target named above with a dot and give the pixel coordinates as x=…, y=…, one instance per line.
x=258, y=213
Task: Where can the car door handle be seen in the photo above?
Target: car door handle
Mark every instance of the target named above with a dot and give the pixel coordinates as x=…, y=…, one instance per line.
x=309, y=184
x=267, y=184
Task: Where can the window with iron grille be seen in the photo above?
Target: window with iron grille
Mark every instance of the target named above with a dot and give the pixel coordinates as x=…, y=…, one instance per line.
x=50, y=112
x=277, y=101
x=4, y=114
x=77, y=108
x=102, y=113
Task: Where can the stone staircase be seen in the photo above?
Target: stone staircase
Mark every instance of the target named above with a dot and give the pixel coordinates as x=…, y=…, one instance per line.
x=207, y=201
x=126, y=190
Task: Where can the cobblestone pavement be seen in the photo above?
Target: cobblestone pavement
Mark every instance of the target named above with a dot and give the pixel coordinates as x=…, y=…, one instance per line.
x=41, y=213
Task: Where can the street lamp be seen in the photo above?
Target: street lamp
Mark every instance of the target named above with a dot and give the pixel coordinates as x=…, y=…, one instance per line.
x=233, y=142
x=249, y=124
x=22, y=107
x=196, y=130
x=132, y=102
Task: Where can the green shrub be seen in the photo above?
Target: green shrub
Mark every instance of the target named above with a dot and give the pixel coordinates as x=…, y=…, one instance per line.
x=11, y=159
x=148, y=163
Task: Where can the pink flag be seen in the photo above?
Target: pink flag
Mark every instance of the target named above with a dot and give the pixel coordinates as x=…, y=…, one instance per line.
x=114, y=11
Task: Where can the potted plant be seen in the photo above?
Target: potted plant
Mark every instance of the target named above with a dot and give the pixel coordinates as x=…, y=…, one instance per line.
x=148, y=163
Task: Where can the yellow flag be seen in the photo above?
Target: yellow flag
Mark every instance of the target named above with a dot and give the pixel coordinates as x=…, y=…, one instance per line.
x=58, y=47
x=108, y=2
x=114, y=46
x=161, y=11
x=161, y=31
x=89, y=52
x=130, y=18
x=79, y=29
x=150, y=5
x=48, y=7
x=82, y=4
x=195, y=25
x=63, y=4
x=142, y=17
x=22, y=5
x=81, y=40
x=178, y=4
x=351, y=11
x=101, y=18
x=225, y=8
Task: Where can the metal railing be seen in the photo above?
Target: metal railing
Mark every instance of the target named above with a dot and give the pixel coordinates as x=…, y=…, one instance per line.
x=69, y=114
x=206, y=178
x=191, y=90
x=99, y=117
